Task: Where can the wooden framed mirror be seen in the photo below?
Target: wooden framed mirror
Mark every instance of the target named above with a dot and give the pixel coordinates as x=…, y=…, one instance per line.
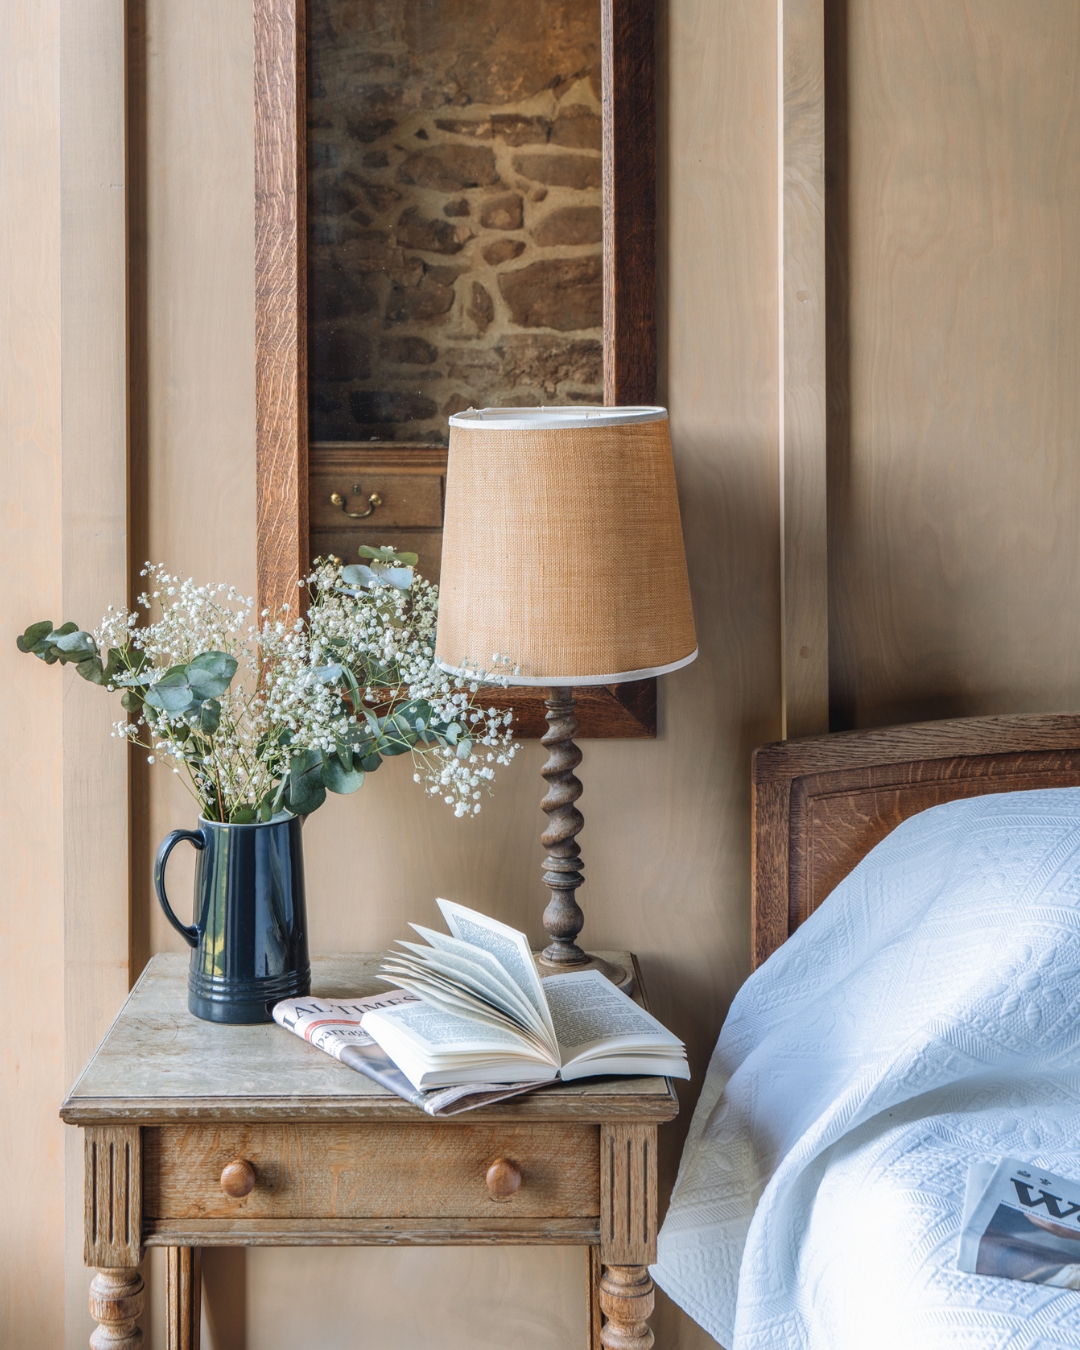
x=486, y=237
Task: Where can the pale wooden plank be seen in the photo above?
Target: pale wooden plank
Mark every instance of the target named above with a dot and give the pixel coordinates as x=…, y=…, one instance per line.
x=159, y=1063
x=93, y=561
x=452, y=1232
x=954, y=550
x=801, y=257
x=31, y=826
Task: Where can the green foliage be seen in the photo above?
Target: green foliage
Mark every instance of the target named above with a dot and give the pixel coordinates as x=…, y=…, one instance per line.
x=192, y=712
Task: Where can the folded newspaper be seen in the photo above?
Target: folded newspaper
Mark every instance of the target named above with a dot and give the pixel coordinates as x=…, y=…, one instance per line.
x=334, y=1025
x=485, y=1016
x=1022, y=1224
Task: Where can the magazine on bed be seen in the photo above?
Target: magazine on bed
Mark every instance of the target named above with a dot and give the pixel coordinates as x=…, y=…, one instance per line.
x=485, y=1016
x=1021, y=1224
x=333, y=1025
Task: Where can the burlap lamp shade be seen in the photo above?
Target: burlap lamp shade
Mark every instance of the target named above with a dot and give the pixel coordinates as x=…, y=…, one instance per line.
x=562, y=546
x=563, y=555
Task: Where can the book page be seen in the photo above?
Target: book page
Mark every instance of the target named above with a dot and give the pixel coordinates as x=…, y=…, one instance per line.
x=588, y=1010
x=479, y=971
x=509, y=947
x=453, y=998
x=435, y=1030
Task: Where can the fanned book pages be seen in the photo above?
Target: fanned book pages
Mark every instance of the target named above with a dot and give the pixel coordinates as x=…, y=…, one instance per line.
x=333, y=1025
x=486, y=1016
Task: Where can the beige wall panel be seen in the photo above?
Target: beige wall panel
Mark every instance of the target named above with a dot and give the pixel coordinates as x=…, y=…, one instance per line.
x=953, y=544
x=199, y=355
x=31, y=823
x=666, y=841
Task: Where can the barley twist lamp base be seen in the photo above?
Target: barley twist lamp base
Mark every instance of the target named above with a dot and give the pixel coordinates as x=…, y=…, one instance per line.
x=563, y=918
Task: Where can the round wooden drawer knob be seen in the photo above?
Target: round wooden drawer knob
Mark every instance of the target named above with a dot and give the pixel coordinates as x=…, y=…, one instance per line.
x=503, y=1178
x=238, y=1178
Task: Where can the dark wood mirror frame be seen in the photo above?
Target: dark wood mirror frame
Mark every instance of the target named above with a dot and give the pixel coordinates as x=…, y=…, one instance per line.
x=629, y=210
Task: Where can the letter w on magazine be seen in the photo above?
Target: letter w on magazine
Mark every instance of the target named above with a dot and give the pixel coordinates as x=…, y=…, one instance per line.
x=334, y=1025
x=486, y=1016
x=1021, y=1224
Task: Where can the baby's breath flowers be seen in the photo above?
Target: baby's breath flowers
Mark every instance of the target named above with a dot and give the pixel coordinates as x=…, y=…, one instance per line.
x=266, y=717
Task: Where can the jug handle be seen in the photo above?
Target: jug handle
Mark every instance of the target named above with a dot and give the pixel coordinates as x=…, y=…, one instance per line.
x=190, y=935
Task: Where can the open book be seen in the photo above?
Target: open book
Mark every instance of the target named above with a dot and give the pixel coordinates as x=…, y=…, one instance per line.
x=333, y=1025
x=486, y=1016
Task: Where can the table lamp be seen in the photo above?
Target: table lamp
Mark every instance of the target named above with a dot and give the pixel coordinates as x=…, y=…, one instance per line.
x=563, y=552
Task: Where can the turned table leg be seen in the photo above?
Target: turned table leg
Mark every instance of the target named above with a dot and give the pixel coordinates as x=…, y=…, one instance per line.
x=183, y=1297
x=626, y=1300
x=116, y=1300
x=627, y=1234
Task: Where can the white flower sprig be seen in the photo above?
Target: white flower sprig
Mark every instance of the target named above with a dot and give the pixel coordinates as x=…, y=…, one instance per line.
x=265, y=719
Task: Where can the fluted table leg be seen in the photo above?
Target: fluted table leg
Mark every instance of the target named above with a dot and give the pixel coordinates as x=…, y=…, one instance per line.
x=116, y=1300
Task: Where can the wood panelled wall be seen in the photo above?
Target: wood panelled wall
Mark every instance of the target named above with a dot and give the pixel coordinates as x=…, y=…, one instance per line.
x=951, y=342
x=954, y=449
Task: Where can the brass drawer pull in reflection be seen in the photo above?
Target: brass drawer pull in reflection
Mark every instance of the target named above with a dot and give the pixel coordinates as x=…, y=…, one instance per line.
x=336, y=499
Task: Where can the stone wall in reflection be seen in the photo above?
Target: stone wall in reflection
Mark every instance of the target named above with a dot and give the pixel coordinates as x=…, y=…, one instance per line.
x=454, y=211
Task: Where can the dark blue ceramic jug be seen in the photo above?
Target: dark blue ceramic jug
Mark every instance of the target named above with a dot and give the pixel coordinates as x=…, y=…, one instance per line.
x=249, y=939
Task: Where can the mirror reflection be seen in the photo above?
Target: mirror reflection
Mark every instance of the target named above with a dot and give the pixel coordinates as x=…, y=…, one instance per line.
x=454, y=211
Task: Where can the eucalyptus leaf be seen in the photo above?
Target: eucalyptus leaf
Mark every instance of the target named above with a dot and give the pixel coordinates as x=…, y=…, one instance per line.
x=340, y=779
x=209, y=717
x=91, y=669
x=387, y=555
x=131, y=700
x=73, y=646
x=27, y=641
x=244, y=815
x=369, y=763
x=172, y=693
x=114, y=665
x=305, y=792
x=210, y=674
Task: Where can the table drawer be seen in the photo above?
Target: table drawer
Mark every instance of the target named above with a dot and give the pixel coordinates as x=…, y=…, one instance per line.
x=370, y=1171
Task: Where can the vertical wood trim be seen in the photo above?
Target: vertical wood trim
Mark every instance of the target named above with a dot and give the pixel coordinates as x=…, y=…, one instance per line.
x=113, y=1195
x=628, y=76
x=769, y=868
x=281, y=441
x=627, y=1194
x=593, y=1272
x=183, y=1297
x=801, y=294
x=94, y=547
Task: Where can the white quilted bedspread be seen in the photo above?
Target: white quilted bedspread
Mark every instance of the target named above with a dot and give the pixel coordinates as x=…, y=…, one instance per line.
x=926, y=1016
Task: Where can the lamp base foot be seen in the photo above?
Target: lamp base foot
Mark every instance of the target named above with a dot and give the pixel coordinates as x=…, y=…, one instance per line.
x=620, y=977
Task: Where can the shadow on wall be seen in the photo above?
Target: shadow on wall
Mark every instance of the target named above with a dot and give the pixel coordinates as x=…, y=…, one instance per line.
x=224, y=1298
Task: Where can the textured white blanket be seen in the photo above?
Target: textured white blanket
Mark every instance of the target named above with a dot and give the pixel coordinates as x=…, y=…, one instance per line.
x=926, y=1016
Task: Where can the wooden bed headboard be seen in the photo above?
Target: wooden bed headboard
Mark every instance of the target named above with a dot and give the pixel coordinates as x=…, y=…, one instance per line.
x=821, y=804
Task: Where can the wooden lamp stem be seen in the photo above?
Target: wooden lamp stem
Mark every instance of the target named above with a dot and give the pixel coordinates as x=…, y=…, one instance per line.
x=563, y=918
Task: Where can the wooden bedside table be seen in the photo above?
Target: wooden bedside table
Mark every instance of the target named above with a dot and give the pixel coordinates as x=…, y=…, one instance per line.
x=204, y=1135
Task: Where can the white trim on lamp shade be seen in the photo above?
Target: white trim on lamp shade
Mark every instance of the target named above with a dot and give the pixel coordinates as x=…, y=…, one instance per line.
x=569, y=681
x=536, y=419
